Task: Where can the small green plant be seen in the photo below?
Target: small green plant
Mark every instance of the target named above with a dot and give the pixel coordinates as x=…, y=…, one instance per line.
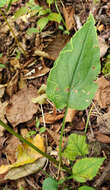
x=46, y=15
x=71, y=85
x=106, y=68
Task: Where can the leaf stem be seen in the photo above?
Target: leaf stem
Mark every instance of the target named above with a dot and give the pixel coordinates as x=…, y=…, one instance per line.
x=12, y=31
x=10, y=130
x=61, y=137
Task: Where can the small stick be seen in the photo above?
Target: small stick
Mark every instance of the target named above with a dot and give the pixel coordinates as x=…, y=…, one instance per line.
x=103, y=176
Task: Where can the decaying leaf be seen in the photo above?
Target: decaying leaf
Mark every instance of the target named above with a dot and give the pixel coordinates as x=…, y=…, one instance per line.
x=12, y=85
x=21, y=108
x=25, y=160
x=103, y=138
x=103, y=122
x=37, y=73
x=70, y=115
x=103, y=93
x=51, y=117
x=9, y=151
x=69, y=17
x=103, y=46
x=16, y=173
x=2, y=115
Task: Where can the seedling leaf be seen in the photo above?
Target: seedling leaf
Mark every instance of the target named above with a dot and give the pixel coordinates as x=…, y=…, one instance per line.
x=86, y=169
x=77, y=146
x=86, y=188
x=50, y=183
x=71, y=80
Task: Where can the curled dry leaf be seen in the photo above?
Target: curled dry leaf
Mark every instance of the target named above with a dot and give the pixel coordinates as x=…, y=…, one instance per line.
x=12, y=145
x=70, y=115
x=103, y=138
x=36, y=73
x=12, y=85
x=103, y=46
x=102, y=96
x=51, y=117
x=69, y=17
x=104, y=123
x=2, y=116
x=25, y=160
x=21, y=108
x=16, y=173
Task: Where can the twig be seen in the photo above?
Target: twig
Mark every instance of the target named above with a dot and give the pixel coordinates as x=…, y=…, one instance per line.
x=103, y=176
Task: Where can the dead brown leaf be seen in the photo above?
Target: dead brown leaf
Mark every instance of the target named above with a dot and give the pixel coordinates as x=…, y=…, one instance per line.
x=2, y=115
x=15, y=63
x=69, y=17
x=103, y=122
x=54, y=48
x=55, y=136
x=37, y=73
x=51, y=117
x=103, y=46
x=102, y=96
x=10, y=152
x=103, y=138
x=70, y=115
x=21, y=108
x=12, y=85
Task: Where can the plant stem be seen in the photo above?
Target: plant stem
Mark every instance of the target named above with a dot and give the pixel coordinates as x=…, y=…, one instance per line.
x=61, y=137
x=88, y=118
x=10, y=130
x=12, y=31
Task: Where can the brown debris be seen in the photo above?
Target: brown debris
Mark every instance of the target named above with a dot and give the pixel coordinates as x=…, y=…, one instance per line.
x=103, y=138
x=102, y=96
x=70, y=115
x=51, y=117
x=10, y=152
x=69, y=17
x=21, y=108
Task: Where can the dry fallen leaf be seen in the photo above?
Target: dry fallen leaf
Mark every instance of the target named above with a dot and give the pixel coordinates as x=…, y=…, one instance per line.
x=10, y=152
x=103, y=138
x=70, y=115
x=103, y=122
x=21, y=108
x=103, y=46
x=102, y=96
x=51, y=117
x=54, y=48
x=2, y=116
x=69, y=17
x=12, y=85
x=25, y=160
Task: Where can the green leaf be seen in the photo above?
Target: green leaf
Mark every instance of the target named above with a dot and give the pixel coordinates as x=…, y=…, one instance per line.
x=44, y=12
x=71, y=80
x=3, y=2
x=32, y=30
x=86, y=169
x=2, y=66
x=42, y=22
x=86, y=188
x=42, y=129
x=77, y=146
x=54, y=17
x=50, y=2
x=50, y=183
x=20, y=12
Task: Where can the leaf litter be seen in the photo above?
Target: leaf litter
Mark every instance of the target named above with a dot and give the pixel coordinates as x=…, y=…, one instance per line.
x=21, y=111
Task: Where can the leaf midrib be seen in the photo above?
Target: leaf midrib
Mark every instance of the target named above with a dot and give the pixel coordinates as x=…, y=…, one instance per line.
x=77, y=66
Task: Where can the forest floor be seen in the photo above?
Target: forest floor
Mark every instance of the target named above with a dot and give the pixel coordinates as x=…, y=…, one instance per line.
x=25, y=72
